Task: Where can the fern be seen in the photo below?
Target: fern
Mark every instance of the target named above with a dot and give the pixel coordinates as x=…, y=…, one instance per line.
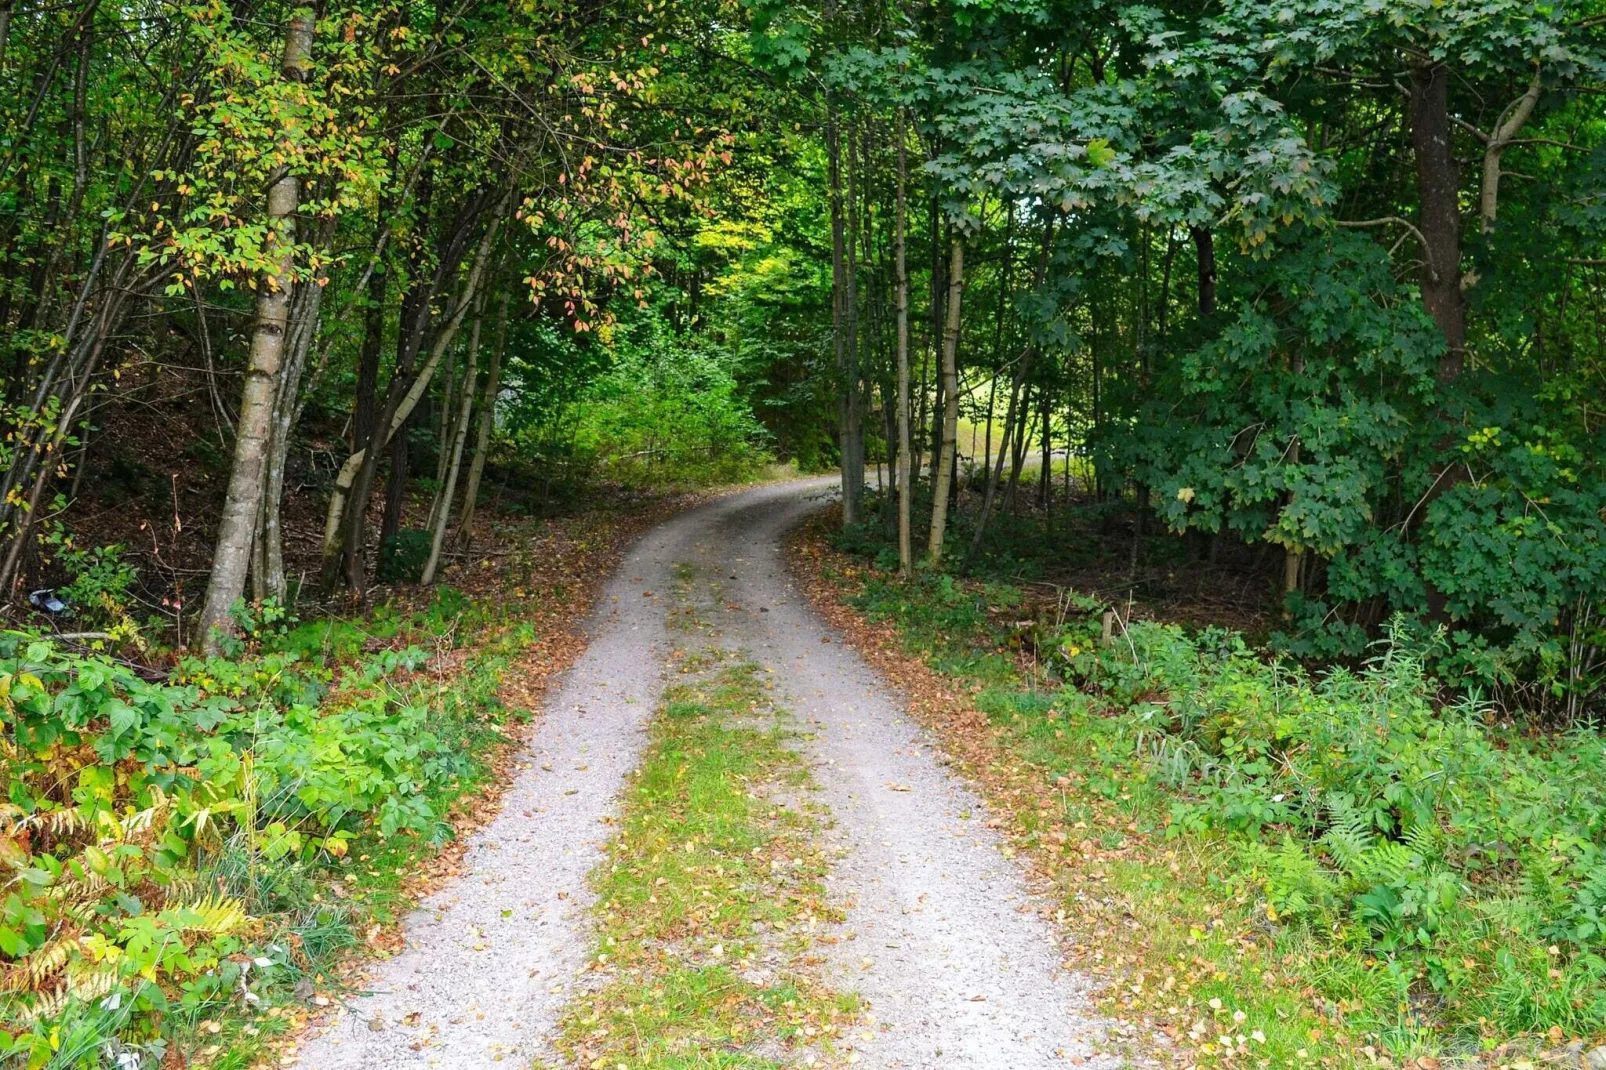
x=1426, y=840
x=211, y=915
x=41, y=966
x=1390, y=863
x=1349, y=835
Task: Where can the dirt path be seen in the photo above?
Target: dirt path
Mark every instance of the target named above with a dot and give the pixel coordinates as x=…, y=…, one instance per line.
x=942, y=938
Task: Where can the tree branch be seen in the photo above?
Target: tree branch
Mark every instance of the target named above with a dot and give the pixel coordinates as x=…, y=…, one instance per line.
x=1384, y=221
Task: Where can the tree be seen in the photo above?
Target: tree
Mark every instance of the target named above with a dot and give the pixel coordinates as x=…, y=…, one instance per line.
x=946, y=460
x=242, y=508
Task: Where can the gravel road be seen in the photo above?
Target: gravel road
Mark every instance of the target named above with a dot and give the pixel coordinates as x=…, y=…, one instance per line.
x=942, y=938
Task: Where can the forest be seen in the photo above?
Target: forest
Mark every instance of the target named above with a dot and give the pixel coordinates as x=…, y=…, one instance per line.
x=1222, y=343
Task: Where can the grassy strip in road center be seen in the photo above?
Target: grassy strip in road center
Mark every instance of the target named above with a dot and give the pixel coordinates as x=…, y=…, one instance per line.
x=711, y=895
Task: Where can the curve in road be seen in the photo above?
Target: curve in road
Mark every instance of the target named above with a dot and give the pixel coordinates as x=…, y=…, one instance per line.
x=942, y=939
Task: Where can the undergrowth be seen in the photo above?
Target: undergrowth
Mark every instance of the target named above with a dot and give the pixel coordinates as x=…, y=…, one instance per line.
x=1284, y=866
x=183, y=855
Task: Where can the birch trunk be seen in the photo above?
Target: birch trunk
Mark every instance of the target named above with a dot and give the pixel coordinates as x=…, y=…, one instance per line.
x=950, y=396
x=243, y=505
x=448, y=489
x=267, y=567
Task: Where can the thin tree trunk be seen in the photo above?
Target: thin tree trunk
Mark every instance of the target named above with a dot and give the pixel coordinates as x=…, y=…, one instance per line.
x=1017, y=460
x=1014, y=413
x=5, y=28
x=1293, y=557
x=905, y=443
x=243, y=504
x=1204, y=245
x=448, y=488
x=344, y=533
x=853, y=393
x=347, y=488
x=268, y=565
x=839, y=303
x=487, y=423
x=445, y=428
x=363, y=411
x=1438, y=191
x=939, y=286
x=1512, y=121
x=24, y=514
x=950, y=392
x=1045, y=480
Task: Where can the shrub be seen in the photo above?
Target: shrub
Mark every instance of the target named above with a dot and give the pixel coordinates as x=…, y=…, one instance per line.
x=1468, y=856
x=403, y=556
x=149, y=826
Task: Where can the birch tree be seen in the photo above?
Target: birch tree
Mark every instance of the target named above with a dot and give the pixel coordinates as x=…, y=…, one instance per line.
x=242, y=508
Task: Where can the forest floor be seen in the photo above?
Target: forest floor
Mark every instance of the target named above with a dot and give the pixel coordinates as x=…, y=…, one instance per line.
x=728, y=843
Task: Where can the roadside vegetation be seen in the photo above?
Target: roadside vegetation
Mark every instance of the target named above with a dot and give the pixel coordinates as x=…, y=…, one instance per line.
x=1272, y=862
x=179, y=844
x=199, y=853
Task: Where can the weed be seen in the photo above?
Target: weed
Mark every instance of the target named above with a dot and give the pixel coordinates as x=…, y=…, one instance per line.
x=167, y=840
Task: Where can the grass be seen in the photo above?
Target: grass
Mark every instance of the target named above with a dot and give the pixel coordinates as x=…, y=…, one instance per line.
x=711, y=893
x=1184, y=943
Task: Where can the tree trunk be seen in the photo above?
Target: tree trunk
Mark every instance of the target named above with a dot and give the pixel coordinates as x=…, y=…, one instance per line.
x=363, y=413
x=5, y=28
x=950, y=393
x=487, y=424
x=1045, y=478
x=939, y=286
x=445, y=428
x=243, y=504
x=1516, y=114
x=268, y=564
x=448, y=488
x=345, y=546
x=905, y=466
x=348, y=483
x=1204, y=246
x=1438, y=191
x=1017, y=460
x=395, y=486
x=853, y=390
x=1014, y=413
x=842, y=302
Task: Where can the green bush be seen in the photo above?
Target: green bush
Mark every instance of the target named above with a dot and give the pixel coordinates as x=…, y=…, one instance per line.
x=149, y=826
x=1470, y=860
x=402, y=557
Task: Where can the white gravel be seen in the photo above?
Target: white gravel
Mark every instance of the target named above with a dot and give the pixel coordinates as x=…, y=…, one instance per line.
x=942, y=938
